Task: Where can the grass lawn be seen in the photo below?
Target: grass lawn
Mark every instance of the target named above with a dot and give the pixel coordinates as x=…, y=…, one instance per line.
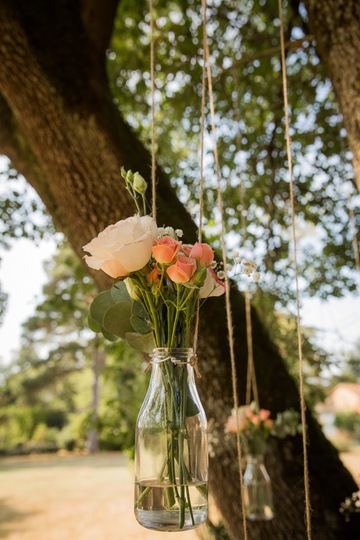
x=71, y=498
x=80, y=498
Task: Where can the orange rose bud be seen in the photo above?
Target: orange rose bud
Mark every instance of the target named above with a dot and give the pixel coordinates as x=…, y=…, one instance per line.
x=182, y=270
x=202, y=253
x=166, y=249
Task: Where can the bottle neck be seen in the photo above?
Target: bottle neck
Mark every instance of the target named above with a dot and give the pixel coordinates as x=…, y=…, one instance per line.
x=178, y=356
x=255, y=459
x=173, y=364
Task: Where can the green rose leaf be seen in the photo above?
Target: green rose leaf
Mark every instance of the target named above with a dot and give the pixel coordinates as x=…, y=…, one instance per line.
x=119, y=292
x=117, y=319
x=139, y=319
x=99, y=307
x=141, y=342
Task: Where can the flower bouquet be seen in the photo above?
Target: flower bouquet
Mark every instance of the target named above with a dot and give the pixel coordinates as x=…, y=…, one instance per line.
x=152, y=305
x=255, y=427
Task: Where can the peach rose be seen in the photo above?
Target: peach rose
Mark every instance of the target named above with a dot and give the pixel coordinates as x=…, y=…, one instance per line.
x=182, y=270
x=166, y=249
x=249, y=413
x=264, y=414
x=202, y=253
x=185, y=249
x=122, y=248
x=231, y=424
x=213, y=286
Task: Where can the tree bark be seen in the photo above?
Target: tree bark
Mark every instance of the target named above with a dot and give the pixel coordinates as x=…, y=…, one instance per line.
x=67, y=138
x=336, y=27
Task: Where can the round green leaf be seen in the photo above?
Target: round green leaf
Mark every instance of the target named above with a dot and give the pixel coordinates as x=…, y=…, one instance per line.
x=139, y=319
x=100, y=305
x=119, y=292
x=141, y=342
x=93, y=325
x=117, y=319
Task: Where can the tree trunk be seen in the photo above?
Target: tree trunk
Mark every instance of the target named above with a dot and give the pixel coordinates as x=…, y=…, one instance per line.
x=336, y=27
x=63, y=132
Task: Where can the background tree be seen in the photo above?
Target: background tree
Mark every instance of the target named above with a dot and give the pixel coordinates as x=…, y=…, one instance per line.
x=50, y=394
x=63, y=131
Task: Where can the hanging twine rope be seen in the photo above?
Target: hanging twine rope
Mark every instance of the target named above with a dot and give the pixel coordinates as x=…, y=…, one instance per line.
x=202, y=137
x=251, y=383
x=201, y=187
x=227, y=281
x=152, y=80
x=299, y=331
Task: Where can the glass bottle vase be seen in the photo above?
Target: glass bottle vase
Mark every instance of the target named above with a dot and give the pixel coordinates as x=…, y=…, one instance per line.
x=257, y=489
x=171, y=456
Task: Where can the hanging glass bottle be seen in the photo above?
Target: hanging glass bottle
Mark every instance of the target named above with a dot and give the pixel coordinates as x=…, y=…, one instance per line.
x=171, y=457
x=257, y=489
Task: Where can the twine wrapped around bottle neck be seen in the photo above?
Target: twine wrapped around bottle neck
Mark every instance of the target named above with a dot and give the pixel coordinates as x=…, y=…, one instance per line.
x=191, y=360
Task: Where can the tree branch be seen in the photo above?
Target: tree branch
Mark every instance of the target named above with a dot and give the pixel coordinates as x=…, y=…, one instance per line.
x=98, y=18
x=13, y=142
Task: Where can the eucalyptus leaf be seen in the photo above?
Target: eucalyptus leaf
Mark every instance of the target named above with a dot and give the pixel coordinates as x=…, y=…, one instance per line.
x=108, y=335
x=93, y=325
x=139, y=319
x=119, y=292
x=141, y=342
x=100, y=305
x=117, y=319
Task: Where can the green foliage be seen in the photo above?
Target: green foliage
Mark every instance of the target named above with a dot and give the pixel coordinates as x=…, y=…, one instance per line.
x=282, y=328
x=116, y=315
x=27, y=428
x=349, y=421
x=244, y=42
x=346, y=366
x=3, y=300
x=23, y=215
x=45, y=395
x=124, y=386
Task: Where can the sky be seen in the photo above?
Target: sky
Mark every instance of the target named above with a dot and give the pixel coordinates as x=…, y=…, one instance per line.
x=22, y=277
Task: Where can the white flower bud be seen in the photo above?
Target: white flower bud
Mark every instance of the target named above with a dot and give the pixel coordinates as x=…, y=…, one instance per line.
x=132, y=289
x=139, y=184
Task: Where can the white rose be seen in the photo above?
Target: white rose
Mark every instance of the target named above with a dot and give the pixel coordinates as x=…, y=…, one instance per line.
x=122, y=248
x=212, y=285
